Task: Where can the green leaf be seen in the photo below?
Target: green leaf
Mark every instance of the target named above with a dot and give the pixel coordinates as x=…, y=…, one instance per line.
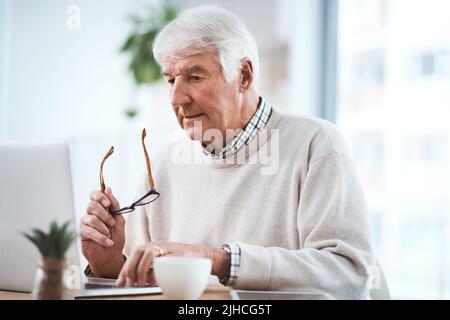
x=42, y=239
x=66, y=241
x=170, y=13
x=60, y=240
x=34, y=241
x=128, y=43
x=139, y=43
x=131, y=112
x=53, y=228
x=135, y=19
x=54, y=243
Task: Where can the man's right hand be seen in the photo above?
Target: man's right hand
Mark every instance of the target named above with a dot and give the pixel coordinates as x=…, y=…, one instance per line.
x=103, y=235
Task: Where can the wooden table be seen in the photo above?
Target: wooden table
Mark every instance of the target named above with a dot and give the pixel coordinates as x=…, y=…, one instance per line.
x=212, y=292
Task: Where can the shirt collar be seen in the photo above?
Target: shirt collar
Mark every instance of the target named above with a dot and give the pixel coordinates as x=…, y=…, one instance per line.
x=246, y=134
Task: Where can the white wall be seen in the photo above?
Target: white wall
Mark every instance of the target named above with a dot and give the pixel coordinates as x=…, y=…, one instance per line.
x=5, y=40
x=65, y=81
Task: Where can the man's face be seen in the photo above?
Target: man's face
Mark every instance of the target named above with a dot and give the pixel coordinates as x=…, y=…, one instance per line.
x=200, y=93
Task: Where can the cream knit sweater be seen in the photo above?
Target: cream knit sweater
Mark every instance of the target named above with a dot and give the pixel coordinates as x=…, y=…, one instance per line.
x=295, y=208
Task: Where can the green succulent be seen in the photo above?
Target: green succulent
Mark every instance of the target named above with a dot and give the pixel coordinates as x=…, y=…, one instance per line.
x=53, y=244
x=139, y=43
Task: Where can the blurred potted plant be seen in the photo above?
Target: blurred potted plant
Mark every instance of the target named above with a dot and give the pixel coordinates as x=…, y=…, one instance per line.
x=139, y=44
x=49, y=281
x=131, y=112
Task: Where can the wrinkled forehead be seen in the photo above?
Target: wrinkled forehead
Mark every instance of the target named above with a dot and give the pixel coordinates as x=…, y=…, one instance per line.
x=182, y=62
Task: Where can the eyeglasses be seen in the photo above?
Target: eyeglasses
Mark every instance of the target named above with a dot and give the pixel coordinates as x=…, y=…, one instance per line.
x=147, y=198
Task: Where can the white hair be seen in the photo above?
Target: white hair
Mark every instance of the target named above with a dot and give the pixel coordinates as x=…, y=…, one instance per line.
x=209, y=28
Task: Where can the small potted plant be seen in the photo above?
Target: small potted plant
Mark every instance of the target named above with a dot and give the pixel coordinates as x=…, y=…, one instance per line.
x=49, y=281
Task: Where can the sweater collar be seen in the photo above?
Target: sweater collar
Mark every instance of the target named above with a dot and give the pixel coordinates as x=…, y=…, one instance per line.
x=243, y=155
x=245, y=135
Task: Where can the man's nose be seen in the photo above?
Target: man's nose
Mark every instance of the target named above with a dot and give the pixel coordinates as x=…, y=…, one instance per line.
x=180, y=94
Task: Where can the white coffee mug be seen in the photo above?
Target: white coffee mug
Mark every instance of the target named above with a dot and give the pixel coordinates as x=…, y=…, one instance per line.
x=182, y=278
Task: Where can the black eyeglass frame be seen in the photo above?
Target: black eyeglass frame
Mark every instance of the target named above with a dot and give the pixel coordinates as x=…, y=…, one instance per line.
x=137, y=203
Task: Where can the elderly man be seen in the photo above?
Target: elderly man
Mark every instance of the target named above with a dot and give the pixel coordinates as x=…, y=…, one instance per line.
x=301, y=226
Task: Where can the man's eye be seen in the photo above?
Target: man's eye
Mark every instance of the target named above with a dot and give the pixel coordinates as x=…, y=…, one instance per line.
x=195, y=78
x=171, y=81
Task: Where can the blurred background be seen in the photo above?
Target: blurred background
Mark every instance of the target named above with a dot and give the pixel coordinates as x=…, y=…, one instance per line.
x=81, y=71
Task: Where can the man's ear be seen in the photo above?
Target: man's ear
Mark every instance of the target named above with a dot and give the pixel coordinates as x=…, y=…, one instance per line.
x=246, y=75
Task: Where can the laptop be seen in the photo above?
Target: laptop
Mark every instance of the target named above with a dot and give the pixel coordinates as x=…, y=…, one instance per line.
x=35, y=189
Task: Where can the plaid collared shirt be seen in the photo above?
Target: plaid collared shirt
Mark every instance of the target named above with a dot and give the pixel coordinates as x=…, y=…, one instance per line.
x=243, y=138
x=245, y=135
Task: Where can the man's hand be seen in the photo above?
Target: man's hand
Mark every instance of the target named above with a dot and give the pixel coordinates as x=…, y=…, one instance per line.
x=102, y=235
x=138, y=268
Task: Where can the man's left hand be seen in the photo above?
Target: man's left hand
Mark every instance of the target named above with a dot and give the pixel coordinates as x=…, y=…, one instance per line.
x=138, y=269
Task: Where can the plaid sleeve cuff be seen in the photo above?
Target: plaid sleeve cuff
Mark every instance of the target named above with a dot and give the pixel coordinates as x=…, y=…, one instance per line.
x=235, y=261
x=88, y=271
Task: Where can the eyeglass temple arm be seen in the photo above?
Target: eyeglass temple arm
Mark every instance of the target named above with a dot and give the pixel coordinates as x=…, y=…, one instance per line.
x=102, y=182
x=151, y=183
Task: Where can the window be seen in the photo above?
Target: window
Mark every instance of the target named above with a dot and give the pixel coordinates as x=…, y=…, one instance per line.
x=393, y=106
x=427, y=64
